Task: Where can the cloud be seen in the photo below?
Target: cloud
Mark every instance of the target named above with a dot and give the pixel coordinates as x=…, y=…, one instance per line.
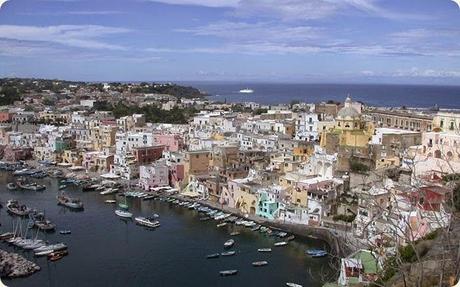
x=2, y=2
x=255, y=32
x=206, y=3
x=77, y=13
x=427, y=73
x=79, y=36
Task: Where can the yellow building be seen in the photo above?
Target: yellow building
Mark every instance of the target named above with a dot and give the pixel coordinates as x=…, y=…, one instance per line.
x=349, y=137
x=102, y=137
x=72, y=156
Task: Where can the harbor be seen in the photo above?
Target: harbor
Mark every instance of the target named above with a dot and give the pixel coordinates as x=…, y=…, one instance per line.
x=99, y=240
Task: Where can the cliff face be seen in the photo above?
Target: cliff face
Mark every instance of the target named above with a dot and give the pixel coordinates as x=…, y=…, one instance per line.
x=439, y=265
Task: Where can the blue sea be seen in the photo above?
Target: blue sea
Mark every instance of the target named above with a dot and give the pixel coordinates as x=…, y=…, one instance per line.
x=422, y=96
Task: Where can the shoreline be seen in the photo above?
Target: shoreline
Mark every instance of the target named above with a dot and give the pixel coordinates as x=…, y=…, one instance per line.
x=13, y=265
x=332, y=239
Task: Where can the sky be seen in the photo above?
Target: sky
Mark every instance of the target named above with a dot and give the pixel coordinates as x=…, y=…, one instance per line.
x=335, y=41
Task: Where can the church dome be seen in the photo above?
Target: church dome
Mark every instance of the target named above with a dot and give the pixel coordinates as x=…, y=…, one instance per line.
x=348, y=111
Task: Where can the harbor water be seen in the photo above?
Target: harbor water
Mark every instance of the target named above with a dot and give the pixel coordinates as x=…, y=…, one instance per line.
x=105, y=250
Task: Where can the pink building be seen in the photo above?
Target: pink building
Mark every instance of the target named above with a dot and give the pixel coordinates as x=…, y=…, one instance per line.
x=154, y=175
x=5, y=117
x=172, y=142
x=177, y=173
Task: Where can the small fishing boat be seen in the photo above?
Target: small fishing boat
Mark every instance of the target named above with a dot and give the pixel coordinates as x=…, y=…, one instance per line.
x=235, y=233
x=30, y=186
x=6, y=235
x=228, y=272
x=221, y=224
x=293, y=284
x=255, y=228
x=147, y=222
x=123, y=213
x=53, y=247
x=54, y=256
x=11, y=186
x=318, y=254
x=259, y=263
x=109, y=191
x=228, y=253
x=282, y=234
x=313, y=251
x=281, y=243
x=39, y=221
x=264, y=250
x=290, y=238
x=65, y=232
x=67, y=201
x=43, y=253
x=212, y=256
x=229, y=243
x=13, y=207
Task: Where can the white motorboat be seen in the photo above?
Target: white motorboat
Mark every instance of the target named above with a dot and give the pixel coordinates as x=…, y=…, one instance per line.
x=246, y=91
x=148, y=222
x=281, y=243
x=123, y=213
x=53, y=247
x=229, y=243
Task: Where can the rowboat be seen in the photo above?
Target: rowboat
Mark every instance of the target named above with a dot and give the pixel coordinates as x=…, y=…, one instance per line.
x=123, y=213
x=281, y=243
x=259, y=263
x=229, y=243
x=228, y=272
x=214, y=255
x=228, y=253
x=147, y=222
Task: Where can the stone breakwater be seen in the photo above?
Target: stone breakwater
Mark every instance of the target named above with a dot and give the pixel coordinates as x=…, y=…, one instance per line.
x=13, y=265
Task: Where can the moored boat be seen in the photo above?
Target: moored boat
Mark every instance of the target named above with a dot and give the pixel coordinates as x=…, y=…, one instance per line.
x=56, y=255
x=30, y=186
x=212, y=256
x=52, y=247
x=281, y=243
x=40, y=222
x=259, y=263
x=13, y=207
x=290, y=238
x=228, y=253
x=65, y=232
x=147, y=222
x=235, y=233
x=264, y=250
x=228, y=272
x=229, y=243
x=221, y=224
x=111, y=201
x=290, y=284
x=11, y=186
x=123, y=213
x=69, y=202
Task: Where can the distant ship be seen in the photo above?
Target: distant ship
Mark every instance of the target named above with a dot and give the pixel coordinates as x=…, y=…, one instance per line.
x=246, y=91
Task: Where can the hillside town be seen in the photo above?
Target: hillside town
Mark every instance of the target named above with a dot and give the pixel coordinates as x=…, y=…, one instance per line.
x=379, y=180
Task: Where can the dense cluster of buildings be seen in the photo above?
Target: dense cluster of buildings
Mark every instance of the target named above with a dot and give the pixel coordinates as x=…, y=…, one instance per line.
x=373, y=173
